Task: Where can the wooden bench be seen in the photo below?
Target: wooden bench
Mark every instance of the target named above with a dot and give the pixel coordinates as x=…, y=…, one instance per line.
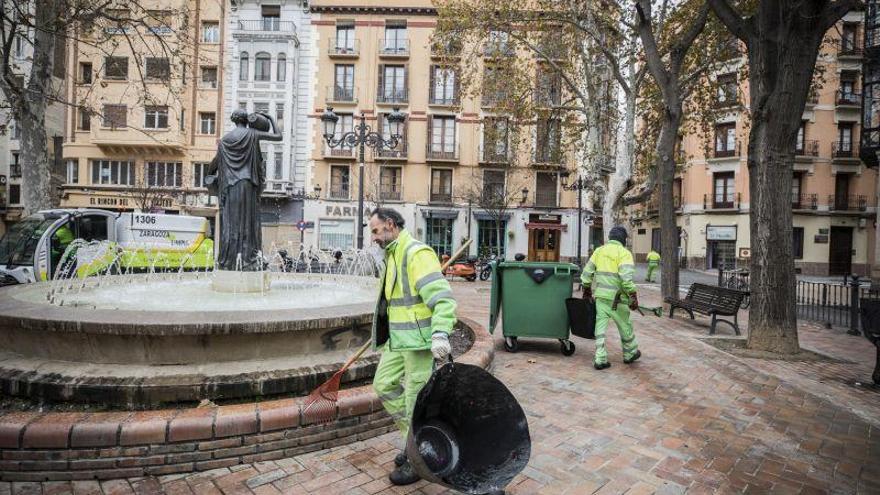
x=712, y=301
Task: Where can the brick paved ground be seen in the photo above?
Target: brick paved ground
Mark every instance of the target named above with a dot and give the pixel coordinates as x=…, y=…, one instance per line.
x=687, y=417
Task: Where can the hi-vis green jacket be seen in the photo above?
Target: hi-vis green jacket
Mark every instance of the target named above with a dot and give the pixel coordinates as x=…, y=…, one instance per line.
x=415, y=300
x=612, y=268
x=653, y=257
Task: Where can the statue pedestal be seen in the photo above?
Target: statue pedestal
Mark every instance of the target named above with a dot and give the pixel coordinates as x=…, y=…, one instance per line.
x=240, y=282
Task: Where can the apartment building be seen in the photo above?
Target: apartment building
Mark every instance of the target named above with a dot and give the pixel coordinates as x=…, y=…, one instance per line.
x=149, y=102
x=374, y=57
x=833, y=192
x=270, y=69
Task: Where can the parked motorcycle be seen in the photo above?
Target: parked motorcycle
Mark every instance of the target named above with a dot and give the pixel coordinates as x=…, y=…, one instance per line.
x=484, y=265
x=466, y=269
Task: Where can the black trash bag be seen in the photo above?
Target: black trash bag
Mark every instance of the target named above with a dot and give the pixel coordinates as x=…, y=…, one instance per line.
x=581, y=317
x=468, y=432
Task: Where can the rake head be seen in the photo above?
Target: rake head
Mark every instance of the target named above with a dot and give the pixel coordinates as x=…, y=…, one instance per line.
x=320, y=405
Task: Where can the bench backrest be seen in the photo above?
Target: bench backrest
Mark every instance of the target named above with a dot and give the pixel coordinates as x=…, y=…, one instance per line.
x=727, y=300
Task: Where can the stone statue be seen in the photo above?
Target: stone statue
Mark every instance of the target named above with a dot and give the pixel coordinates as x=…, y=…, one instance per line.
x=238, y=174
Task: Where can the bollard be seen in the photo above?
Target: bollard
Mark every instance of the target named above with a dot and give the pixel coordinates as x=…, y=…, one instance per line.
x=720, y=276
x=854, y=306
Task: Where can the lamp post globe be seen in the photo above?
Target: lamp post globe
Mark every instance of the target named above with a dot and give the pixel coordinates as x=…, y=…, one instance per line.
x=329, y=119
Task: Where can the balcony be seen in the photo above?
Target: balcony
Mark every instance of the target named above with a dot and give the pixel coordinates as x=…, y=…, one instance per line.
x=847, y=203
x=805, y=202
x=726, y=152
x=849, y=51
x=340, y=152
x=128, y=140
x=344, y=49
x=394, y=48
x=497, y=50
x=399, y=152
x=494, y=99
x=492, y=154
x=710, y=202
x=844, y=150
x=545, y=98
x=442, y=100
x=341, y=95
x=807, y=148
x=547, y=154
x=392, y=96
x=441, y=198
x=546, y=199
x=15, y=170
x=848, y=99
x=441, y=153
x=268, y=24
x=390, y=196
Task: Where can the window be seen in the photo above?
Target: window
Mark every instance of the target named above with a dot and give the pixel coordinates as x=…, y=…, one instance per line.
x=210, y=32
x=72, y=171
x=399, y=151
x=279, y=115
x=498, y=44
x=549, y=87
x=495, y=140
x=724, y=189
x=85, y=73
x=493, y=187
x=282, y=68
x=261, y=107
x=339, y=182
x=271, y=17
x=395, y=38
x=545, y=184
x=208, y=122
x=113, y=172
x=84, y=119
x=344, y=125
x=14, y=194
x=796, y=182
x=164, y=174
x=345, y=36
x=442, y=132
x=115, y=116
x=488, y=238
x=116, y=68
x=802, y=131
x=343, y=89
x=676, y=193
x=848, y=38
x=157, y=68
x=725, y=140
x=200, y=171
x=441, y=185
x=16, y=130
x=243, y=66
x=336, y=234
x=549, y=141
x=389, y=183
x=158, y=21
x=727, y=89
x=182, y=119
x=263, y=67
x=797, y=242
x=156, y=118
x=844, y=145
x=392, y=84
x=209, y=77
x=494, y=89
x=443, y=85
x=15, y=166
x=438, y=234
x=19, y=46
x=279, y=165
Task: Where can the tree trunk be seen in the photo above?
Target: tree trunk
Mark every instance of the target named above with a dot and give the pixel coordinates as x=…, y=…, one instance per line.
x=618, y=182
x=668, y=224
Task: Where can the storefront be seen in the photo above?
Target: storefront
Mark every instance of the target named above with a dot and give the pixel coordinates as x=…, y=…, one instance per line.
x=721, y=246
x=545, y=236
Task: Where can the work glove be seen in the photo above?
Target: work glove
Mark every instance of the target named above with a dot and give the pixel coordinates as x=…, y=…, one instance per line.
x=588, y=293
x=440, y=346
x=633, y=301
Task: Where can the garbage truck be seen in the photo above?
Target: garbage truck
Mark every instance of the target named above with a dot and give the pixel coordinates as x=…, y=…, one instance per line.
x=32, y=249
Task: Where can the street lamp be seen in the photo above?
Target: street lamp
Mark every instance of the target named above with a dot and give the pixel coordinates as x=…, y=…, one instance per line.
x=525, y=195
x=578, y=185
x=362, y=136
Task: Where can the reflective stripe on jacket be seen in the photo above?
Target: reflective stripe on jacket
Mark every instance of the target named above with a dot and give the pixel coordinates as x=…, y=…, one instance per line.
x=419, y=299
x=611, y=267
x=653, y=258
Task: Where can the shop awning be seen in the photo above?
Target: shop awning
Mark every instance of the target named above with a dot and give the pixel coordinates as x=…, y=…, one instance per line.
x=542, y=225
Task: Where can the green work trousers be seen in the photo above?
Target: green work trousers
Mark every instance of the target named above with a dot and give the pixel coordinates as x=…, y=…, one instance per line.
x=624, y=328
x=399, y=378
x=651, y=268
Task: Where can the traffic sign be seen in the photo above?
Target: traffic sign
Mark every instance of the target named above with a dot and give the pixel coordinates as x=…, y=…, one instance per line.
x=303, y=225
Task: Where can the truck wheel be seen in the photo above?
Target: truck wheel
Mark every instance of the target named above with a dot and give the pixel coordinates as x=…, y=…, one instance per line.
x=567, y=347
x=510, y=344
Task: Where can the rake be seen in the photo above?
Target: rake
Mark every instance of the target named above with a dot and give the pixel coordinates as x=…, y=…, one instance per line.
x=320, y=405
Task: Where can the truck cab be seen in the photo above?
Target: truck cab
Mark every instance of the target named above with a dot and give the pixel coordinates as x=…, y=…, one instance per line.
x=32, y=248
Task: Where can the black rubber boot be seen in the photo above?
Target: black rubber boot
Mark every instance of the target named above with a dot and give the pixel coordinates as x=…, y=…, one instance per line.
x=400, y=459
x=635, y=357
x=601, y=366
x=404, y=475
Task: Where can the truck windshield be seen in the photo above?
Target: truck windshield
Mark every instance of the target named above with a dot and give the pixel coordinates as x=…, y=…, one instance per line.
x=19, y=245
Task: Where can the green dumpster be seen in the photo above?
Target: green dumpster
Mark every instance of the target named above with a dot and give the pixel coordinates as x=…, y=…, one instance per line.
x=531, y=296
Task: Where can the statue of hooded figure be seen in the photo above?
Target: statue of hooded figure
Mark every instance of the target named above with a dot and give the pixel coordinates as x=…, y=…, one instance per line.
x=238, y=174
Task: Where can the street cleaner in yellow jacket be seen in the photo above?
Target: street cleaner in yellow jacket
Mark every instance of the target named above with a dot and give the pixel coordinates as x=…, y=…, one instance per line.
x=611, y=268
x=414, y=317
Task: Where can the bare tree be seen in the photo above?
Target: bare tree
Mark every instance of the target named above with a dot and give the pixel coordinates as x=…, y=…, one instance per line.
x=148, y=196
x=782, y=38
x=495, y=198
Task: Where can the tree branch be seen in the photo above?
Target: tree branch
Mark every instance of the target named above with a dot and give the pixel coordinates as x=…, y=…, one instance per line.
x=835, y=10
x=740, y=28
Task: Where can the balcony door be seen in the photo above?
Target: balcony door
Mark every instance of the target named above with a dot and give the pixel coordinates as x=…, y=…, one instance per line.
x=840, y=251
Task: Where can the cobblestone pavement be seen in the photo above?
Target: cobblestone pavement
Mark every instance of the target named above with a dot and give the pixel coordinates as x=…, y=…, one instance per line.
x=685, y=418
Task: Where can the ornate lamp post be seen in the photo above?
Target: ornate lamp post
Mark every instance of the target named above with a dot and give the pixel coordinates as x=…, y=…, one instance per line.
x=578, y=185
x=362, y=136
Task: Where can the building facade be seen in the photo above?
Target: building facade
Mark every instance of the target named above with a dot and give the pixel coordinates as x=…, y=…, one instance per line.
x=146, y=126
x=270, y=69
x=373, y=57
x=833, y=192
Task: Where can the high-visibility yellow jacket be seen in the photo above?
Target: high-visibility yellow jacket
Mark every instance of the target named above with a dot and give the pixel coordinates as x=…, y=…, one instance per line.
x=653, y=257
x=611, y=267
x=417, y=296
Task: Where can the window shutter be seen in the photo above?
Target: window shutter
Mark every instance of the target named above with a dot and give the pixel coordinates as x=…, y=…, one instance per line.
x=455, y=87
x=430, y=139
x=433, y=84
x=406, y=83
x=381, y=90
